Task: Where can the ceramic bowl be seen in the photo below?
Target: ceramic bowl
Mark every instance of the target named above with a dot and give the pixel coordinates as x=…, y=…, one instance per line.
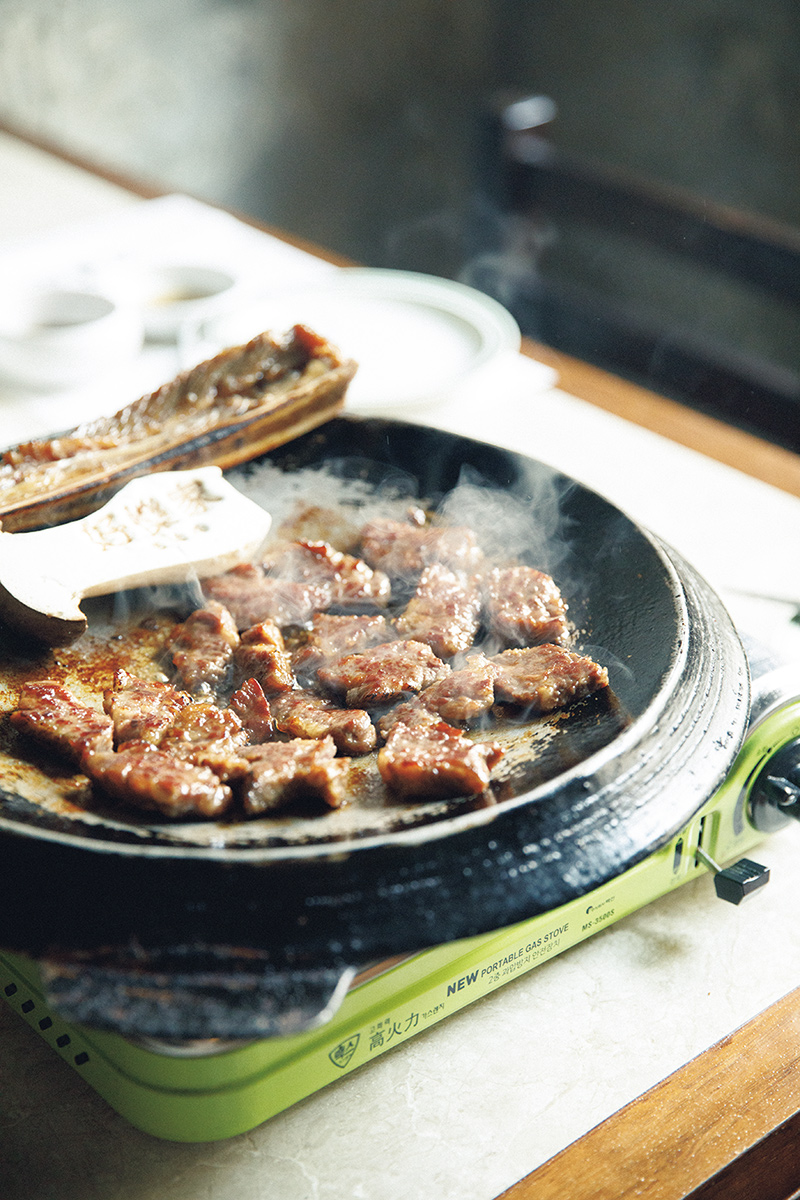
x=178, y=294
x=61, y=337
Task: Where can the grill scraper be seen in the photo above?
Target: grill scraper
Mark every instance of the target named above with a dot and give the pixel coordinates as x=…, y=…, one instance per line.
x=166, y=528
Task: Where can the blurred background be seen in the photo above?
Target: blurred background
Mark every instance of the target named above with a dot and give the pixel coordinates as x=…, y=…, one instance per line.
x=641, y=209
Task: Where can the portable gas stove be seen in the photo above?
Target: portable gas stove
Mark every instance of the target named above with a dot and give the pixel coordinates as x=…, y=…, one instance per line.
x=193, y=1091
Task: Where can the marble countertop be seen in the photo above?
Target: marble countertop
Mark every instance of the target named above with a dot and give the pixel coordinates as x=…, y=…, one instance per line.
x=474, y=1104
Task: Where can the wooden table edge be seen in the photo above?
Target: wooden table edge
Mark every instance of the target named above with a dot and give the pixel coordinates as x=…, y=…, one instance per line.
x=724, y=1125
x=715, y=439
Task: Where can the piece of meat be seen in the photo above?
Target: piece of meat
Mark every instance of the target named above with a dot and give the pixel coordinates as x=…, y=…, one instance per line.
x=252, y=708
x=141, y=709
x=524, y=606
x=279, y=773
x=547, y=677
x=338, y=578
x=463, y=696
x=383, y=673
x=253, y=596
x=296, y=580
x=403, y=548
x=305, y=714
x=262, y=655
x=202, y=649
x=50, y=713
x=208, y=736
x=153, y=780
x=332, y=635
x=444, y=611
x=431, y=758
x=309, y=522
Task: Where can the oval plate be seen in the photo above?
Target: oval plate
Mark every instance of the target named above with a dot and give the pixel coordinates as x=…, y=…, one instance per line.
x=434, y=332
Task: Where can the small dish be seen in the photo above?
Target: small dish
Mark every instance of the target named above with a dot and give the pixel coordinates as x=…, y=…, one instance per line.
x=52, y=337
x=174, y=294
x=414, y=337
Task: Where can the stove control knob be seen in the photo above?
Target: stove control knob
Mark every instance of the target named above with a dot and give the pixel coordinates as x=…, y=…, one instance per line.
x=775, y=795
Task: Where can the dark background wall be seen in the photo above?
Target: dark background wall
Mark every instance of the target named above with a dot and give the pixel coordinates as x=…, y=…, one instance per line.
x=359, y=125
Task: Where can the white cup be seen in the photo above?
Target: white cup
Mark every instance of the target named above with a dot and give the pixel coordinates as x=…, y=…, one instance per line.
x=177, y=295
x=60, y=337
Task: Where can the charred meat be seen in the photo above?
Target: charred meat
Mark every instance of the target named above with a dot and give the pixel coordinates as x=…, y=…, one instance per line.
x=431, y=758
x=384, y=673
x=203, y=648
x=444, y=611
x=51, y=714
x=524, y=606
x=543, y=678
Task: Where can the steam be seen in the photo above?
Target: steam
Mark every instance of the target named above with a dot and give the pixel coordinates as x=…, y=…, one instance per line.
x=509, y=527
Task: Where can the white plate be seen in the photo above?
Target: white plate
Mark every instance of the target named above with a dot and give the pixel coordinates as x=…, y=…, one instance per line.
x=414, y=336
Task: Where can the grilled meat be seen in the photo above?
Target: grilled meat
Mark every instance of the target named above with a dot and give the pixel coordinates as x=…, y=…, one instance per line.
x=252, y=708
x=444, y=611
x=314, y=688
x=280, y=773
x=208, y=737
x=51, y=714
x=428, y=757
x=262, y=655
x=141, y=709
x=404, y=548
x=243, y=401
x=339, y=578
x=306, y=714
x=543, y=678
x=524, y=606
x=203, y=649
x=383, y=673
x=154, y=780
x=332, y=635
x=252, y=596
x=463, y=696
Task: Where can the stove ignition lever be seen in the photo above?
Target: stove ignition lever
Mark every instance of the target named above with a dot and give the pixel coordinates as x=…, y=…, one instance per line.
x=737, y=882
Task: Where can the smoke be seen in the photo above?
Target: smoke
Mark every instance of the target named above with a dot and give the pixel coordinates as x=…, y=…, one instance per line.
x=532, y=528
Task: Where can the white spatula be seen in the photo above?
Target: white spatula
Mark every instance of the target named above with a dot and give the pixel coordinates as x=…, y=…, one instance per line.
x=164, y=528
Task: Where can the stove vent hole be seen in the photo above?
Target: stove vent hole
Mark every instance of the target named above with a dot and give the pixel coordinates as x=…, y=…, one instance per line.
x=677, y=856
